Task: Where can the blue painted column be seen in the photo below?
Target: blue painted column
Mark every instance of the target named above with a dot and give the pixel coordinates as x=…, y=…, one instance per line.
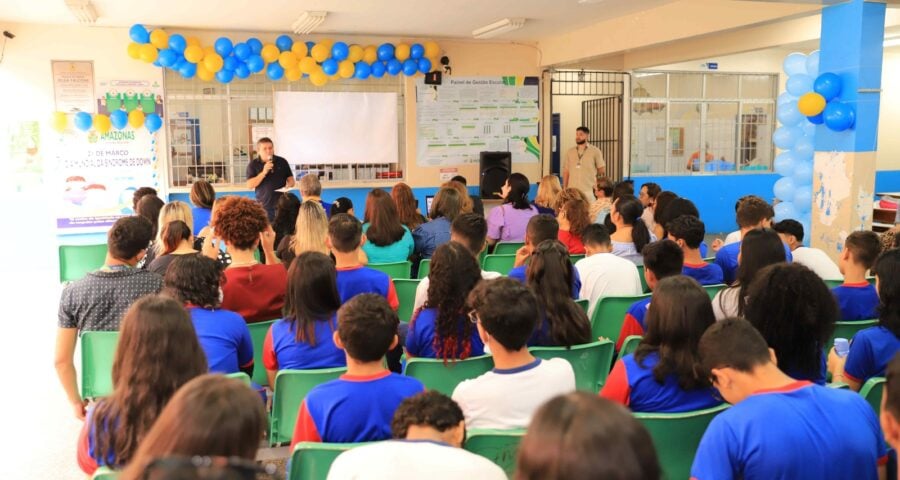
x=844, y=165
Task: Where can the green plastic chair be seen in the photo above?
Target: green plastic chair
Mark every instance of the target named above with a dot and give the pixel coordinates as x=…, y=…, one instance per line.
x=849, y=329
x=710, y=259
x=498, y=446
x=507, y=248
x=644, y=287
x=834, y=283
x=98, y=349
x=676, y=437
x=406, y=293
x=584, y=304
x=590, y=361
x=291, y=387
x=312, y=460
x=396, y=270
x=258, y=333
x=243, y=377
x=105, y=473
x=872, y=391
x=425, y=267
x=435, y=375
x=712, y=290
x=501, y=264
x=630, y=345
x=609, y=315
x=575, y=258
x=77, y=260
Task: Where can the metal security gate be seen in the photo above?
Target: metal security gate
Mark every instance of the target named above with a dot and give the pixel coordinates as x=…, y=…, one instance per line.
x=604, y=118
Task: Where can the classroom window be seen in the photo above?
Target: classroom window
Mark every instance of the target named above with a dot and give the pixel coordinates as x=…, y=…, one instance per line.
x=213, y=128
x=702, y=123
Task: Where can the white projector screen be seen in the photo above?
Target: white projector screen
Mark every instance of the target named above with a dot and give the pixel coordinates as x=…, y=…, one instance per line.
x=314, y=128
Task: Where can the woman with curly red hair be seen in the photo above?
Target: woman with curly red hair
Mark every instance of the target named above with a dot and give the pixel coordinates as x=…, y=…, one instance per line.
x=253, y=290
x=573, y=213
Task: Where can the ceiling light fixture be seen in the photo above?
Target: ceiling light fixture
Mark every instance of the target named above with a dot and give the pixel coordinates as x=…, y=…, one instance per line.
x=83, y=10
x=499, y=28
x=308, y=22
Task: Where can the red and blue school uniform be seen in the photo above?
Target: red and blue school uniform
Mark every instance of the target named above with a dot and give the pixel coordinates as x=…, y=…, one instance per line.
x=870, y=351
x=88, y=458
x=353, y=408
x=421, y=339
x=632, y=384
x=727, y=260
x=282, y=350
x=353, y=281
x=704, y=273
x=858, y=301
x=634, y=321
x=518, y=273
x=224, y=338
x=797, y=431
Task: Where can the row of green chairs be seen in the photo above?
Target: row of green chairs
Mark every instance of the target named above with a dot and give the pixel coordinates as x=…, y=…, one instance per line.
x=502, y=264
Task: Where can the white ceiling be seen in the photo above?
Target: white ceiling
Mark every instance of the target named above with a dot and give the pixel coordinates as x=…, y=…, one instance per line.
x=404, y=18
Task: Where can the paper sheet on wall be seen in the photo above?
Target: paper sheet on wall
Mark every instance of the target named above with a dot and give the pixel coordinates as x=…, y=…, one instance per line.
x=468, y=115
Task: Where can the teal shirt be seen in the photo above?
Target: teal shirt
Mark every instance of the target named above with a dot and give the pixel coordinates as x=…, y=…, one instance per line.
x=398, y=251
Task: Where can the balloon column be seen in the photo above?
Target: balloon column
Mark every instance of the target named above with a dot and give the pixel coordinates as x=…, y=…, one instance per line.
x=227, y=60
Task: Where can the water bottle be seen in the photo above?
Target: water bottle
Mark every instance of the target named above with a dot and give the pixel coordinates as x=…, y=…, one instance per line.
x=841, y=347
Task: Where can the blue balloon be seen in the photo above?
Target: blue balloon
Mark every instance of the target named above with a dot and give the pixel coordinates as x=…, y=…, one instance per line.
x=786, y=97
x=167, y=57
x=118, y=119
x=187, y=70
x=788, y=114
x=242, y=51
x=255, y=45
x=255, y=63
x=410, y=67
x=224, y=76
x=785, y=210
x=795, y=64
x=803, y=201
x=386, y=52
x=378, y=69
x=309, y=46
x=816, y=120
x=362, y=70
x=416, y=51
x=223, y=46
x=803, y=175
x=804, y=149
x=177, y=42
x=156, y=63
x=839, y=116
x=394, y=66
x=786, y=137
x=153, y=122
x=812, y=64
x=799, y=84
x=330, y=66
x=828, y=85
x=274, y=71
x=784, y=188
x=424, y=65
x=241, y=71
x=83, y=121
x=138, y=33
x=784, y=163
x=231, y=63
x=339, y=51
x=809, y=130
x=284, y=43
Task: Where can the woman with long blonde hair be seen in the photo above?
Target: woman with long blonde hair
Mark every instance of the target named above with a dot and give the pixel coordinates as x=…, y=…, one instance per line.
x=169, y=213
x=548, y=190
x=310, y=232
x=466, y=204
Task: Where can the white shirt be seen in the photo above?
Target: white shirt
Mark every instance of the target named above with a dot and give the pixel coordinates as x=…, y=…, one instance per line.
x=607, y=275
x=725, y=303
x=413, y=460
x=422, y=289
x=733, y=237
x=817, y=261
x=505, y=399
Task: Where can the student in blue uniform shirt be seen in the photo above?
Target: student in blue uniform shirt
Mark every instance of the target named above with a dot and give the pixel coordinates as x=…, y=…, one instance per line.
x=856, y=296
x=688, y=231
x=779, y=427
x=549, y=274
x=345, y=239
x=540, y=228
x=752, y=212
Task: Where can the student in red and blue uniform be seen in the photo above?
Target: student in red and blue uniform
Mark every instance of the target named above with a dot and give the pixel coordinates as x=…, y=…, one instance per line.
x=857, y=297
x=779, y=427
x=358, y=406
x=662, y=259
x=752, y=212
x=661, y=375
x=304, y=338
x=872, y=348
x=345, y=239
x=223, y=334
x=549, y=274
x=441, y=329
x=540, y=228
x=688, y=231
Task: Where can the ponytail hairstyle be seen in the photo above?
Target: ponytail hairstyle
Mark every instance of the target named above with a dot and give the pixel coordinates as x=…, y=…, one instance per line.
x=631, y=209
x=549, y=275
x=173, y=234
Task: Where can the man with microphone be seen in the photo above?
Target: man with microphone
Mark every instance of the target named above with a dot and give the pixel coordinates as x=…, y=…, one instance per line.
x=268, y=173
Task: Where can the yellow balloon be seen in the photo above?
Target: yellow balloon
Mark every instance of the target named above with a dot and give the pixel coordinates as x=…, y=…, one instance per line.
x=318, y=78
x=307, y=65
x=159, y=39
x=370, y=54
x=134, y=50
x=136, y=118
x=102, y=123
x=345, y=69
x=293, y=74
x=402, y=52
x=328, y=43
x=811, y=104
x=59, y=122
x=193, y=54
x=299, y=49
x=203, y=73
x=356, y=53
x=269, y=53
x=288, y=60
x=149, y=53
x=209, y=51
x=192, y=41
x=432, y=49
x=320, y=52
x=213, y=62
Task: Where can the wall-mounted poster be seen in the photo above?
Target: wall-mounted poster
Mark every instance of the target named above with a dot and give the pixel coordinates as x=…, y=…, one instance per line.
x=73, y=85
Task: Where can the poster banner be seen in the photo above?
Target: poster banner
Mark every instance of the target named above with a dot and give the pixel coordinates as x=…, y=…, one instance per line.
x=73, y=85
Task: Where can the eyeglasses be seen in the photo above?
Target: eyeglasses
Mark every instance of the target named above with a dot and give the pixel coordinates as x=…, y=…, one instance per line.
x=473, y=316
x=199, y=467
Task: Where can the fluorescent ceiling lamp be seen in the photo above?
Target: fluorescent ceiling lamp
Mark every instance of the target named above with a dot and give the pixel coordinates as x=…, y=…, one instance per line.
x=499, y=28
x=83, y=10
x=308, y=22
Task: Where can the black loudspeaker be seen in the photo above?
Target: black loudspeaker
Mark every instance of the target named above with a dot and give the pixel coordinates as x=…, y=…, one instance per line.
x=495, y=168
x=433, y=78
